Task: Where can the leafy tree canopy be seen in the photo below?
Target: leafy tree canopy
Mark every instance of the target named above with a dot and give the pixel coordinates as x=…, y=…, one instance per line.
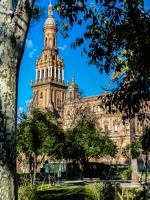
x=85, y=141
x=39, y=134
x=116, y=37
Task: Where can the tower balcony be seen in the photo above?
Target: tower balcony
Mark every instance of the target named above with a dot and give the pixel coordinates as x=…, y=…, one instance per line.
x=44, y=81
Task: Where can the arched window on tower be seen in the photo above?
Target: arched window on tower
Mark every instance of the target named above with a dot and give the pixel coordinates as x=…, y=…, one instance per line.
x=41, y=95
x=54, y=42
x=45, y=41
x=71, y=95
x=60, y=75
x=42, y=74
x=57, y=74
x=50, y=42
x=46, y=73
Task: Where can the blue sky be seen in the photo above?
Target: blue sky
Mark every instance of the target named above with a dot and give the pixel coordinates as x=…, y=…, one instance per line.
x=87, y=77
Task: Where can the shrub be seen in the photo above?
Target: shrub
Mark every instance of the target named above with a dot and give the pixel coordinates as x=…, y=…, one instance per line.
x=126, y=174
x=26, y=190
x=94, y=190
x=102, y=191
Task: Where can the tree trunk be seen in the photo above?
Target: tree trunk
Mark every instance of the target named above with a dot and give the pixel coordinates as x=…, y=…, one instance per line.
x=85, y=168
x=34, y=168
x=13, y=31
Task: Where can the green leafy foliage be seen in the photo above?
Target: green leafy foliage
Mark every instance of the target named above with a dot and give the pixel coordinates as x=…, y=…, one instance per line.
x=126, y=174
x=116, y=35
x=85, y=141
x=26, y=190
x=39, y=134
x=139, y=146
x=102, y=191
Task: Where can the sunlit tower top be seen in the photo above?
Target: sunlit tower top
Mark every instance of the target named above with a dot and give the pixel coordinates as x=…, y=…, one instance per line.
x=49, y=87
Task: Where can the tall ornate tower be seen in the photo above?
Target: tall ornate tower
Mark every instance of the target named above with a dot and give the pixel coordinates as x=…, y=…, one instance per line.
x=49, y=89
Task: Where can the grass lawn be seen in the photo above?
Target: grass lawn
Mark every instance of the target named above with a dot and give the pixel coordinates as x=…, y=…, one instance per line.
x=60, y=193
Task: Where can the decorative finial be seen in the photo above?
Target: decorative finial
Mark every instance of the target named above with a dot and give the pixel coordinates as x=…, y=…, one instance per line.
x=73, y=79
x=50, y=9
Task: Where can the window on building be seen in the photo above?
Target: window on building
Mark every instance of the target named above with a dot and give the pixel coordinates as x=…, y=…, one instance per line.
x=60, y=75
x=106, y=123
x=41, y=95
x=46, y=72
x=42, y=74
x=116, y=127
x=54, y=42
x=38, y=74
x=127, y=127
x=71, y=95
x=106, y=127
x=57, y=74
x=45, y=41
x=57, y=102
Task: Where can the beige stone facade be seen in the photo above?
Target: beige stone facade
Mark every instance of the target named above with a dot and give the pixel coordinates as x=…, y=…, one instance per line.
x=49, y=90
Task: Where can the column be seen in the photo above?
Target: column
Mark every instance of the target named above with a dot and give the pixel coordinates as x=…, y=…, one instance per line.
x=51, y=71
x=48, y=71
x=36, y=75
x=40, y=73
x=62, y=74
x=59, y=73
x=54, y=72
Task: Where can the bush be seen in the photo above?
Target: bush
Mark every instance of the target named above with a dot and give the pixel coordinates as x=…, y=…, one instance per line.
x=24, y=177
x=102, y=191
x=26, y=190
x=94, y=190
x=126, y=174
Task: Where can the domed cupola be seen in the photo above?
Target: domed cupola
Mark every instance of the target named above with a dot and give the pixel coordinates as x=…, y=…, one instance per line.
x=73, y=91
x=50, y=20
x=73, y=84
x=50, y=31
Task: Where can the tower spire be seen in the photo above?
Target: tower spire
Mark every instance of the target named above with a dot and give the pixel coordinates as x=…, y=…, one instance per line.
x=50, y=9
